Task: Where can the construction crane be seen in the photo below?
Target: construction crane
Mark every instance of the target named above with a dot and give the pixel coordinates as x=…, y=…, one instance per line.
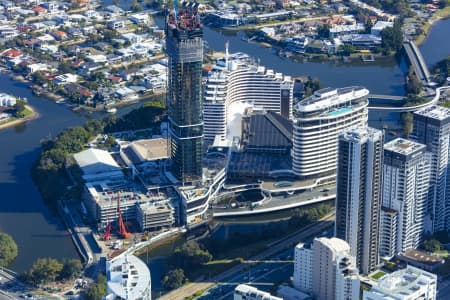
x=107, y=234
x=122, y=228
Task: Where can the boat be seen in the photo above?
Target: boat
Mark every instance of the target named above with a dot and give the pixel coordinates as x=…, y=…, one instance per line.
x=111, y=110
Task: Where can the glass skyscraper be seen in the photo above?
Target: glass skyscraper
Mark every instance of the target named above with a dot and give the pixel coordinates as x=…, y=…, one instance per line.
x=184, y=43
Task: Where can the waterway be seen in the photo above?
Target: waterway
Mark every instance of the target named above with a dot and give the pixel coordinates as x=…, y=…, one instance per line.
x=39, y=233
x=23, y=214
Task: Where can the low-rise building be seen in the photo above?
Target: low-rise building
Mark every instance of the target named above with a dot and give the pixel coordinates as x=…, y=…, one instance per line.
x=66, y=78
x=98, y=165
x=7, y=100
x=379, y=27
x=140, y=18
x=247, y=292
x=116, y=24
x=406, y=284
x=339, y=30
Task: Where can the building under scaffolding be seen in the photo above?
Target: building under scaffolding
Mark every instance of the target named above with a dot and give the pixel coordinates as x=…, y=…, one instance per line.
x=184, y=43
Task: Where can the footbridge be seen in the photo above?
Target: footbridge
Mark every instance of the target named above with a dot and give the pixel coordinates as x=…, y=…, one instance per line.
x=417, y=62
x=386, y=97
x=432, y=101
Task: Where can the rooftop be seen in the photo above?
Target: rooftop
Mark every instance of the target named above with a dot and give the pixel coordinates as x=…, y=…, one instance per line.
x=338, y=245
x=435, y=112
x=94, y=161
x=147, y=150
x=268, y=130
x=360, y=134
x=128, y=277
x=403, y=146
x=405, y=282
x=330, y=97
x=421, y=257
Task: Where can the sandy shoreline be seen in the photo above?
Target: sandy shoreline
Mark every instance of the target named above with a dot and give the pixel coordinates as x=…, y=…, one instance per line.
x=34, y=115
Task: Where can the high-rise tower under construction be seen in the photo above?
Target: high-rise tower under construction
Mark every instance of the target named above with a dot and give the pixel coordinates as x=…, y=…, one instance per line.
x=184, y=43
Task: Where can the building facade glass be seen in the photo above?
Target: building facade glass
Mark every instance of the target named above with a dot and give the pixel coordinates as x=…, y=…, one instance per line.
x=184, y=43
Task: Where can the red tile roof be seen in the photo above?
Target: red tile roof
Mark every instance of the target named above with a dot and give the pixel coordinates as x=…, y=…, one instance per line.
x=12, y=53
x=39, y=9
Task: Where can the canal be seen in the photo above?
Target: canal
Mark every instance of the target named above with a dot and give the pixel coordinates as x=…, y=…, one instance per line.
x=39, y=233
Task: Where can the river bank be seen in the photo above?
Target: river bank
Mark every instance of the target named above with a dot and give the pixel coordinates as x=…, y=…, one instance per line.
x=437, y=16
x=32, y=115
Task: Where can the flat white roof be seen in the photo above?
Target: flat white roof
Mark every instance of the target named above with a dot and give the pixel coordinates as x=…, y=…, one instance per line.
x=435, y=112
x=94, y=161
x=403, y=146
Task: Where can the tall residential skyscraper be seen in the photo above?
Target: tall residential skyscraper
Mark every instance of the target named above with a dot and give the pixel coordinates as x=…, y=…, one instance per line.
x=184, y=43
x=432, y=128
x=318, y=121
x=406, y=175
x=358, y=195
x=327, y=270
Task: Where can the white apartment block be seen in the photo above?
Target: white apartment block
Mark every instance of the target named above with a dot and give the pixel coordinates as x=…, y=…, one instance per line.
x=302, y=279
x=347, y=278
x=238, y=79
x=407, y=284
x=406, y=174
x=326, y=270
x=318, y=121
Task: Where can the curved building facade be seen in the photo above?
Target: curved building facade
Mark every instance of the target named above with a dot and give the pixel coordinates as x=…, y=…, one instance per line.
x=239, y=79
x=318, y=121
x=128, y=278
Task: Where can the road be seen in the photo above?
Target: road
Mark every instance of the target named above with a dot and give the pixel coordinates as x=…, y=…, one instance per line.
x=234, y=274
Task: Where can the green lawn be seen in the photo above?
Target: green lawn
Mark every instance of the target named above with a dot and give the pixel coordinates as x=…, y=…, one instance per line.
x=378, y=275
x=212, y=268
x=163, y=248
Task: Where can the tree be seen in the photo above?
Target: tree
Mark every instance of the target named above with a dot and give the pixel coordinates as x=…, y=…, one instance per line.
x=407, y=121
x=8, y=249
x=312, y=85
x=71, y=268
x=173, y=279
x=45, y=270
x=190, y=255
x=413, y=84
x=20, y=108
x=97, y=290
x=392, y=37
x=135, y=6
x=324, y=31
x=348, y=49
x=39, y=77
x=431, y=245
x=110, y=141
x=65, y=67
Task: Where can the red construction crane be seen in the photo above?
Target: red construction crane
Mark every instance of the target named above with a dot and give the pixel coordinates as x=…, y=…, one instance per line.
x=122, y=228
x=107, y=234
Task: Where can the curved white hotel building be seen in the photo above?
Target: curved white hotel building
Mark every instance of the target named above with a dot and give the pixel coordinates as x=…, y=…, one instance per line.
x=238, y=78
x=318, y=121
